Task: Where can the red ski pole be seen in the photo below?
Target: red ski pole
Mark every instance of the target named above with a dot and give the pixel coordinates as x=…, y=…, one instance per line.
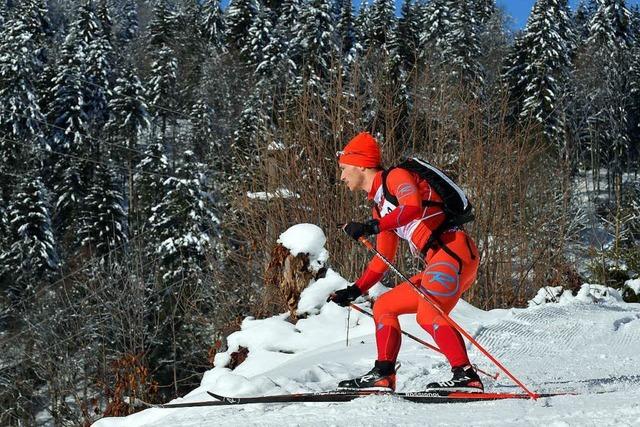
x=451, y=322
x=424, y=343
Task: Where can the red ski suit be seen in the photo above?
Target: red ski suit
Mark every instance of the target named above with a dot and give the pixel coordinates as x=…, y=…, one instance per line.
x=444, y=278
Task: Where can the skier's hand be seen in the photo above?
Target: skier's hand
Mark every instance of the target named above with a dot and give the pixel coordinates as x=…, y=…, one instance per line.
x=359, y=229
x=346, y=296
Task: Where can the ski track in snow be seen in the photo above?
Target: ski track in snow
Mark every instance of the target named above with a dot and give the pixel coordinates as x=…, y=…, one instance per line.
x=589, y=348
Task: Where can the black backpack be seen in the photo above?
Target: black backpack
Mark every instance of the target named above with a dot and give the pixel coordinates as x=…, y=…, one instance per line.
x=455, y=204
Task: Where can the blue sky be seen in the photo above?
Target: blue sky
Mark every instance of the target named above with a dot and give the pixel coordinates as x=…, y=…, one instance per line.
x=520, y=9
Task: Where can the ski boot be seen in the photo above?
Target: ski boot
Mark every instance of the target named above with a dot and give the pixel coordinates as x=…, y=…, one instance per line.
x=464, y=379
x=382, y=377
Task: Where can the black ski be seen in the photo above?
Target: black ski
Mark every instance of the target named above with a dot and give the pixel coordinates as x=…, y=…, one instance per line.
x=347, y=395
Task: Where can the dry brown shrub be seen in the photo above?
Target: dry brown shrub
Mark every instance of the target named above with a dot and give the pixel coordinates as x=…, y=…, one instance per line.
x=513, y=179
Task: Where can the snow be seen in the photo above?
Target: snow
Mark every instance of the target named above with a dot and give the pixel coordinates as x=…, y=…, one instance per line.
x=306, y=238
x=282, y=193
x=585, y=343
x=634, y=285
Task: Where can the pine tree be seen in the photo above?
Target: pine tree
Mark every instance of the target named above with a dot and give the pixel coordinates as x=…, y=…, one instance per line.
x=239, y=17
x=82, y=85
x=150, y=173
x=68, y=110
x=346, y=32
x=106, y=23
x=279, y=60
x=212, y=23
x=99, y=68
x=546, y=46
x=104, y=220
x=606, y=88
x=260, y=35
x=436, y=21
x=129, y=26
x=460, y=49
x=383, y=23
x=204, y=130
x=162, y=26
x=162, y=89
x=129, y=112
x=32, y=250
x=129, y=118
x=314, y=39
x=183, y=224
x=361, y=26
x=20, y=117
x=35, y=15
x=408, y=33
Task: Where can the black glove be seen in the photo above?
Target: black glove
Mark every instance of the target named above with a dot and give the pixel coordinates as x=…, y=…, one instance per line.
x=346, y=296
x=359, y=229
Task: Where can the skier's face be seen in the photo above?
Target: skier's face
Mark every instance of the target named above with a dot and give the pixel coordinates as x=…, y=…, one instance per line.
x=352, y=176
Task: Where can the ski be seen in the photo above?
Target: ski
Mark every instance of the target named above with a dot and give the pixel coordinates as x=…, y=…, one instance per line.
x=347, y=395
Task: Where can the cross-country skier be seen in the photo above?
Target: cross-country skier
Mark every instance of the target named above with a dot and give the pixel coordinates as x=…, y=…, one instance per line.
x=451, y=263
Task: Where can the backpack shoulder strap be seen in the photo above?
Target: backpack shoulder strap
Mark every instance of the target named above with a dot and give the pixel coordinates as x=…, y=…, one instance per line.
x=385, y=190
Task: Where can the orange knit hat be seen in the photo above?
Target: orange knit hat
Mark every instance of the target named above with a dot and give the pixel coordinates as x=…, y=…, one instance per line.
x=362, y=150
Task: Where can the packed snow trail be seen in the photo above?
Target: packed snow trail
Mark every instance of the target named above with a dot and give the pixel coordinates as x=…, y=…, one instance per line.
x=588, y=344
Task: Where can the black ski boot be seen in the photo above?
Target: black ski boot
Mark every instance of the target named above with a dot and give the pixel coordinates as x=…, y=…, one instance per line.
x=464, y=379
x=381, y=377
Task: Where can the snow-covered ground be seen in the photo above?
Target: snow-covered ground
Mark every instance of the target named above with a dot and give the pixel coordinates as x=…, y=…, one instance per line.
x=588, y=344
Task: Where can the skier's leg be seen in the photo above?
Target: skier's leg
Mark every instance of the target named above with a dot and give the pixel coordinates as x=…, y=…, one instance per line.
x=444, y=280
x=400, y=300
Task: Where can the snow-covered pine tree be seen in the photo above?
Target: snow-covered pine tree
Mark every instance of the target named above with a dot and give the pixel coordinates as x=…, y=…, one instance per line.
x=129, y=114
x=238, y=18
x=212, y=24
x=346, y=33
x=32, y=250
x=150, y=174
x=104, y=220
x=314, y=38
x=460, y=48
x=547, y=44
x=276, y=67
x=68, y=110
x=634, y=85
x=104, y=17
x=162, y=90
x=436, y=21
x=279, y=65
x=581, y=17
x=162, y=25
x=484, y=10
x=204, y=131
x=382, y=23
x=98, y=72
x=35, y=15
x=21, y=120
x=362, y=24
x=408, y=33
x=261, y=33
x=183, y=224
x=607, y=87
x=129, y=24
x=129, y=118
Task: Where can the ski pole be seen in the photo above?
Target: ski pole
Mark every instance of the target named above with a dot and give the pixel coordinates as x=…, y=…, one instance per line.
x=424, y=343
x=451, y=322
